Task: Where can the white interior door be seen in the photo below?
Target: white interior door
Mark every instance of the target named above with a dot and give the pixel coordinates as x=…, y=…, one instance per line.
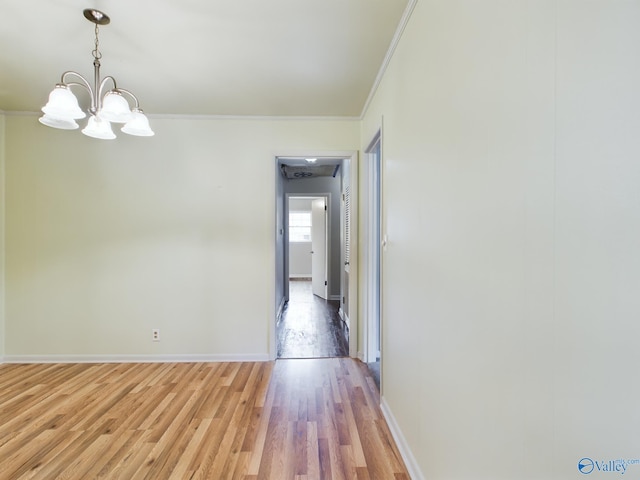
x=319, y=247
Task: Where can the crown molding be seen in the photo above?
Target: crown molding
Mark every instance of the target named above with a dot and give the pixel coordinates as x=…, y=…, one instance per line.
x=392, y=48
x=271, y=118
x=171, y=116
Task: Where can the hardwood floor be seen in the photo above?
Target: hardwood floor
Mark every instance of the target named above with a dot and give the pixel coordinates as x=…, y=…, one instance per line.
x=290, y=419
x=310, y=327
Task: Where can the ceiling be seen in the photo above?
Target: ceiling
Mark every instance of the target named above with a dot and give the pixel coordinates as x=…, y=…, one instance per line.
x=203, y=57
x=298, y=168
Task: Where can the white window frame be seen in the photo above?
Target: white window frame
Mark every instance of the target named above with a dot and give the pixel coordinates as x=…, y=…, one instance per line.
x=296, y=238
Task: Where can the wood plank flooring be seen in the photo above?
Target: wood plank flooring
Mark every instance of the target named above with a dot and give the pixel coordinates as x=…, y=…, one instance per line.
x=290, y=419
x=309, y=326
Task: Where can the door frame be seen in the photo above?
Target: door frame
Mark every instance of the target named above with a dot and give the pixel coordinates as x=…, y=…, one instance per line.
x=327, y=232
x=352, y=157
x=372, y=254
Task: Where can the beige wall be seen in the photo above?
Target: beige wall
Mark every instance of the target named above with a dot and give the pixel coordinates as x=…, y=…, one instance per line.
x=106, y=240
x=2, y=236
x=511, y=276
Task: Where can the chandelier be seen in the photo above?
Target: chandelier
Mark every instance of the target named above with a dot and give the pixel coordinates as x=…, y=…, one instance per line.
x=106, y=107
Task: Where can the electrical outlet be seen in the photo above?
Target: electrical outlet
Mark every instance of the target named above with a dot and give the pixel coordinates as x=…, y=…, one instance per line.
x=155, y=334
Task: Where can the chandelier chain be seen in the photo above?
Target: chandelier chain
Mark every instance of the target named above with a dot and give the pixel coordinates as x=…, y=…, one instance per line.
x=97, y=55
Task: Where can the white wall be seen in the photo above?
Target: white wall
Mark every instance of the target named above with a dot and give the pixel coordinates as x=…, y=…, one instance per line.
x=300, y=204
x=107, y=240
x=299, y=259
x=511, y=276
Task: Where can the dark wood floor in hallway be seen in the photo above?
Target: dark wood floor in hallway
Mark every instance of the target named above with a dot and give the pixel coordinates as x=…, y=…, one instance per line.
x=310, y=327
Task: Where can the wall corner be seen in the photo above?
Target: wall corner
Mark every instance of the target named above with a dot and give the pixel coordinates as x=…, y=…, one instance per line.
x=2, y=235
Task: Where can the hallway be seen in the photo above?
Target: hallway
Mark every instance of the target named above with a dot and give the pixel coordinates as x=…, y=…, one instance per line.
x=310, y=327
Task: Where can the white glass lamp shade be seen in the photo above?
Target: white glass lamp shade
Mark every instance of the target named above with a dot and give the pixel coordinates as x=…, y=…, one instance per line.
x=138, y=125
x=61, y=123
x=63, y=104
x=115, y=108
x=98, y=128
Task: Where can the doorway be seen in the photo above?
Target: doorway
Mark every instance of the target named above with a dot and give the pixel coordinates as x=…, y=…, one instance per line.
x=310, y=325
x=311, y=308
x=308, y=241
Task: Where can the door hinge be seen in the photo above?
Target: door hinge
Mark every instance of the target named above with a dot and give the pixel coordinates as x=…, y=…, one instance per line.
x=325, y=283
x=325, y=208
x=343, y=300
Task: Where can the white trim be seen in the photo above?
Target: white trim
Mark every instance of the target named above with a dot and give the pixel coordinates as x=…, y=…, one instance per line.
x=171, y=116
x=299, y=275
x=280, y=309
x=345, y=319
x=409, y=460
x=187, y=358
x=354, y=267
x=270, y=118
x=392, y=48
x=372, y=254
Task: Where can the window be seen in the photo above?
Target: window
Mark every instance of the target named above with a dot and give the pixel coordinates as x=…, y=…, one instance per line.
x=299, y=226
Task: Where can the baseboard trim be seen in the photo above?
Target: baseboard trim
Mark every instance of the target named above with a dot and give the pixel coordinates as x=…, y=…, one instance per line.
x=409, y=460
x=256, y=357
x=334, y=297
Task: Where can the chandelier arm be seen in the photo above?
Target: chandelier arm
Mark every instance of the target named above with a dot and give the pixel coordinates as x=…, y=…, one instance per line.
x=77, y=84
x=84, y=83
x=135, y=99
x=104, y=81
